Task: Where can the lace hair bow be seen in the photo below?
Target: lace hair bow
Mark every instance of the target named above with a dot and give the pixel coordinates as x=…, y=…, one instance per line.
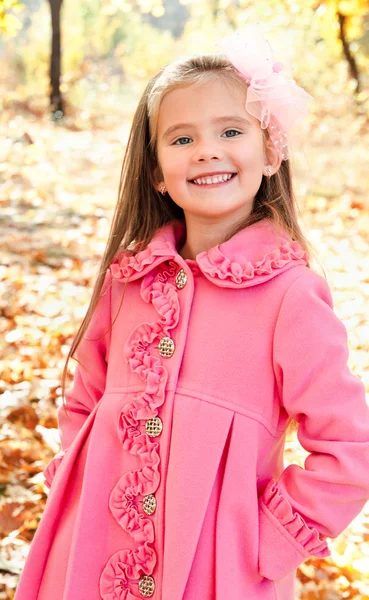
x=277, y=102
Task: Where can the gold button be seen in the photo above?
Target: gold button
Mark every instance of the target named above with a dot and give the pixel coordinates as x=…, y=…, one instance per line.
x=154, y=426
x=149, y=504
x=146, y=585
x=181, y=279
x=166, y=347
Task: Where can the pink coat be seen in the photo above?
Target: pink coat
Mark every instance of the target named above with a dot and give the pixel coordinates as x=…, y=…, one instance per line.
x=171, y=483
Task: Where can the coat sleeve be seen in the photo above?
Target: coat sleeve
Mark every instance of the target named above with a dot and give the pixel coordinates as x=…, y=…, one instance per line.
x=89, y=380
x=306, y=505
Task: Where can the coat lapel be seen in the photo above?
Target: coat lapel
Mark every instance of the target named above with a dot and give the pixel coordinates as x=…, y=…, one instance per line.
x=199, y=434
x=252, y=256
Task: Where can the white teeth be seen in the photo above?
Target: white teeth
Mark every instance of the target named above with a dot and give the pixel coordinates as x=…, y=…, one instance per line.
x=216, y=179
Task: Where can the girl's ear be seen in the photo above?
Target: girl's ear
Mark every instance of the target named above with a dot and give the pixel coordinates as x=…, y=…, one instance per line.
x=157, y=178
x=273, y=157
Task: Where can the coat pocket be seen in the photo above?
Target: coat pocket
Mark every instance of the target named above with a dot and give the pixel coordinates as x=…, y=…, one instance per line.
x=285, y=540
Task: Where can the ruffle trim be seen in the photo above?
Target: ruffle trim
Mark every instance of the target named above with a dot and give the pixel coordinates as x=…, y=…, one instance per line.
x=214, y=264
x=119, y=579
x=293, y=522
x=132, y=265
x=52, y=467
x=225, y=263
x=123, y=571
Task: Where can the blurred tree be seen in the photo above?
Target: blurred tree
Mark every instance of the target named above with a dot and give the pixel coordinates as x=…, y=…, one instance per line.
x=349, y=16
x=56, y=99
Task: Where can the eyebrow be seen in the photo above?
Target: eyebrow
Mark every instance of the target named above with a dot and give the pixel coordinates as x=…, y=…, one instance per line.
x=235, y=119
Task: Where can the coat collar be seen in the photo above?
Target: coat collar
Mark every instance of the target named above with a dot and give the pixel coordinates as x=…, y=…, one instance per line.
x=253, y=255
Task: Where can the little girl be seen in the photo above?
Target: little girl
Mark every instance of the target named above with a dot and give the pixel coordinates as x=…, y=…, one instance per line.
x=207, y=334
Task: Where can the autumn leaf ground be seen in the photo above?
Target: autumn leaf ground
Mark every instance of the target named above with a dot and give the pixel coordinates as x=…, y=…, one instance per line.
x=58, y=186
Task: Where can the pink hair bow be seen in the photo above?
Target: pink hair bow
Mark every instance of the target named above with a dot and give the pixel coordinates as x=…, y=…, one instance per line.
x=277, y=102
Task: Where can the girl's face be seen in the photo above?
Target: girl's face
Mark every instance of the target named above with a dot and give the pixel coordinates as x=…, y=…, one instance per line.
x=214, y=134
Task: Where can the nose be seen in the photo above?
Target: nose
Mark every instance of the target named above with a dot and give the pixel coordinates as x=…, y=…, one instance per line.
x=207, y=150
x=210, y=157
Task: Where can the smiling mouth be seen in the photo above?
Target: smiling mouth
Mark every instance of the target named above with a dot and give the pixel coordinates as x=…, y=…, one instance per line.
x=213, y=185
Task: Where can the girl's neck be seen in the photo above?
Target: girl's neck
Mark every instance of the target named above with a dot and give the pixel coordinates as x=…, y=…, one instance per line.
x=203, y=235
x=199, y=239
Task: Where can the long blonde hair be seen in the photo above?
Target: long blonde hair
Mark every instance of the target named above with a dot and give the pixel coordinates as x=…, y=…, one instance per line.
x=141, y=209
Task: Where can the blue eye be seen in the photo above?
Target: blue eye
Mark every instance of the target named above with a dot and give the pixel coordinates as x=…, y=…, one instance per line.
x=187, y=138
x=182, y=138
x=234, y=130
